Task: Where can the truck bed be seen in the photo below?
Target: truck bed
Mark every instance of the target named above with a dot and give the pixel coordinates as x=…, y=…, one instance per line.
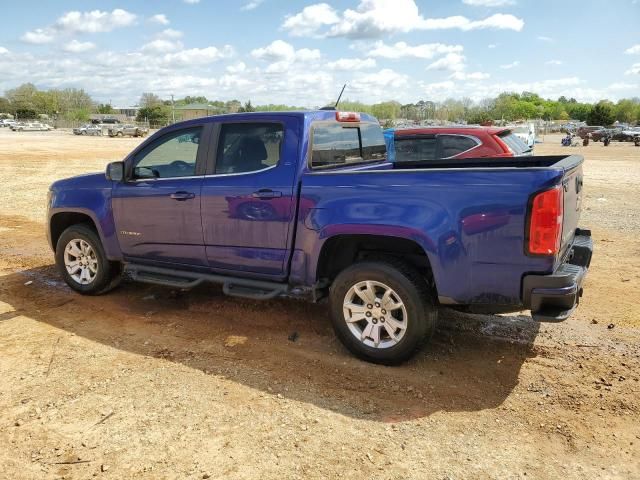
x=470, y=216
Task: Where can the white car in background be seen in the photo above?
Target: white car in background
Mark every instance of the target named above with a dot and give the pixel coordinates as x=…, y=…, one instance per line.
x=7, y=122
x=526, y=132
x=31, y=127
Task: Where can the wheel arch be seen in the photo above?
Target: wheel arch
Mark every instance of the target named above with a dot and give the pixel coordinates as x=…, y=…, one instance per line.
x=60, y=221
x=341, y=250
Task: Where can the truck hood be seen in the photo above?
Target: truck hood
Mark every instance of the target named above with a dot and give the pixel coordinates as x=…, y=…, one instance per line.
x=91, y=181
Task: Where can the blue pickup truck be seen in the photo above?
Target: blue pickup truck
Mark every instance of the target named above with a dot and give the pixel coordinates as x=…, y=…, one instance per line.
x=306, y=204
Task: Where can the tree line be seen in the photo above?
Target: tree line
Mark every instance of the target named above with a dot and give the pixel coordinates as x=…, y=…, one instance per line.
x=27, y=101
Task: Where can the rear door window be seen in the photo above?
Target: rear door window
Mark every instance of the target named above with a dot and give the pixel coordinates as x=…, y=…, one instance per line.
x=452, y=145
x=415, y=149
x=248, y=147
x=335, y=144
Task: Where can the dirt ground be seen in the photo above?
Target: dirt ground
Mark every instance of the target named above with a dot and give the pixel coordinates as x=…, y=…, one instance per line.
x=149, y=383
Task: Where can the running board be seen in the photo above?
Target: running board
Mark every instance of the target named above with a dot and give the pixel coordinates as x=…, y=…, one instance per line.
x=233, y=286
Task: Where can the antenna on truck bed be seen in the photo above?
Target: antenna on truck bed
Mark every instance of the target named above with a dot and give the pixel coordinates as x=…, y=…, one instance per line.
x=335, y=107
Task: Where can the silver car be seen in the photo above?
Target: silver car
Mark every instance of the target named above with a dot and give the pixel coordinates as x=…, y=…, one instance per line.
x=31, y=127
x=88, y=129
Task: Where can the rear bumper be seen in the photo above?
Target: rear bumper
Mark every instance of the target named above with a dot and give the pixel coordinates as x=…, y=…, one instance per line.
x=554, y=297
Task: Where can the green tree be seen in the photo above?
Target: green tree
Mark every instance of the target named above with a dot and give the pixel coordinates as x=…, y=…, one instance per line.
x=5, y=105
x=149, y=100
x=626, y=111
x=602, y=113
x=22, y=97
x=247, y=107
x=156, y=115
x=105, y=109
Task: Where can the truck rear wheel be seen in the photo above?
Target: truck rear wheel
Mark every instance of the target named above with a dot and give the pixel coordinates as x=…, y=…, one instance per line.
x=382, y=311
x=82, y=262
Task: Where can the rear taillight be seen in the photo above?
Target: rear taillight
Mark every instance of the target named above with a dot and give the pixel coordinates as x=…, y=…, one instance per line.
x=545, y=224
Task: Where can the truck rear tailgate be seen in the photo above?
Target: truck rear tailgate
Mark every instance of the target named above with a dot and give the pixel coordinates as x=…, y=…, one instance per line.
x=572, y=183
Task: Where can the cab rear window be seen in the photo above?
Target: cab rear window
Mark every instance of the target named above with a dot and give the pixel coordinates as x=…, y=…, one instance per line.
x=337, y=144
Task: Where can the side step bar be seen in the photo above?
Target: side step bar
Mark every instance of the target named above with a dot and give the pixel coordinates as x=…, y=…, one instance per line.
x=233, y=286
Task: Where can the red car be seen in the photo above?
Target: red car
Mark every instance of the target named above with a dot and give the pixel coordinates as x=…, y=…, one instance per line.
x=438, y=143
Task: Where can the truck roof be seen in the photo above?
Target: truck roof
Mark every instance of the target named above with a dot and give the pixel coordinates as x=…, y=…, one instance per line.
x=307, y=115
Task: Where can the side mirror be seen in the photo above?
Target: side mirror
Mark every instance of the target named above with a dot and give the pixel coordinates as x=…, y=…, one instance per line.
x=115, y=171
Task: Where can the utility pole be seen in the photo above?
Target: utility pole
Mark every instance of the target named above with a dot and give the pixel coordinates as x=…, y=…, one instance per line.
x=173, y=110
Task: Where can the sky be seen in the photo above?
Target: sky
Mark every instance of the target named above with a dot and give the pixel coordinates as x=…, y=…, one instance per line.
x=301, y=53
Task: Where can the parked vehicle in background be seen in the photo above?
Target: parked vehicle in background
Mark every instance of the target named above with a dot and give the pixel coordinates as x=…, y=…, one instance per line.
x=128, y=130
x=7, y=123
x=583, y=131
x=629, y=134
x=527, y=133
x=437, y=143
x=305, y=204
x=31, y=127
x=88, y=129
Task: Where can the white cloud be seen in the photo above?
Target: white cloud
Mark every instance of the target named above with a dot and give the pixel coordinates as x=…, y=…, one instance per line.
x=3, y=51
x=489, y=3
x=497, y=21
x=170, y=33
x=38, y=36
x=542, y=38
x=378, y=84
x=198, y=56
x=617, y=86
x=633, y=50
x=279, y=50
x=553, y=62
x=94, y=21
x=634, y=70
x=439, y=89
x=451, y=61
x=191, y=2
x=492, y=45
x=161, y=45
x=402, y=50
x=237, y=68
x=75, y=46
x=374, y=18
x=470, y=76
x=310, y=20
x=352, y=64
x=511, y=65
x=160, y=19
x=251, y=5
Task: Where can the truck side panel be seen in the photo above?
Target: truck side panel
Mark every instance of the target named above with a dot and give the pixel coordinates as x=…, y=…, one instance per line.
x=470, y=223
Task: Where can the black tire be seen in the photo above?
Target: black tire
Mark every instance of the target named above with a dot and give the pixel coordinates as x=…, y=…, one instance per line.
x=108, y=274
x=414, y=292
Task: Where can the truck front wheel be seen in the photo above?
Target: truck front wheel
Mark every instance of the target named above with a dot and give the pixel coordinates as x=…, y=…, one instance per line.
x=382, y=311
x=82, y=262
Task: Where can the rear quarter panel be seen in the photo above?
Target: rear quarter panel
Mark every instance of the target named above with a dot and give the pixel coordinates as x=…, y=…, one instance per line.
x=470, y=223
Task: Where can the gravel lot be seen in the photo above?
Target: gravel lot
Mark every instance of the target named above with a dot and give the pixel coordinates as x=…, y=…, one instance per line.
x=149, y=383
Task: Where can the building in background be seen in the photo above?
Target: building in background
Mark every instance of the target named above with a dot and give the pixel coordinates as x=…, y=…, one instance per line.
x=196, y=110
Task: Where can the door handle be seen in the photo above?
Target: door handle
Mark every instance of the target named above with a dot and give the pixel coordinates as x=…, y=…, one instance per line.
x=266, y=194
x=182, y=196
